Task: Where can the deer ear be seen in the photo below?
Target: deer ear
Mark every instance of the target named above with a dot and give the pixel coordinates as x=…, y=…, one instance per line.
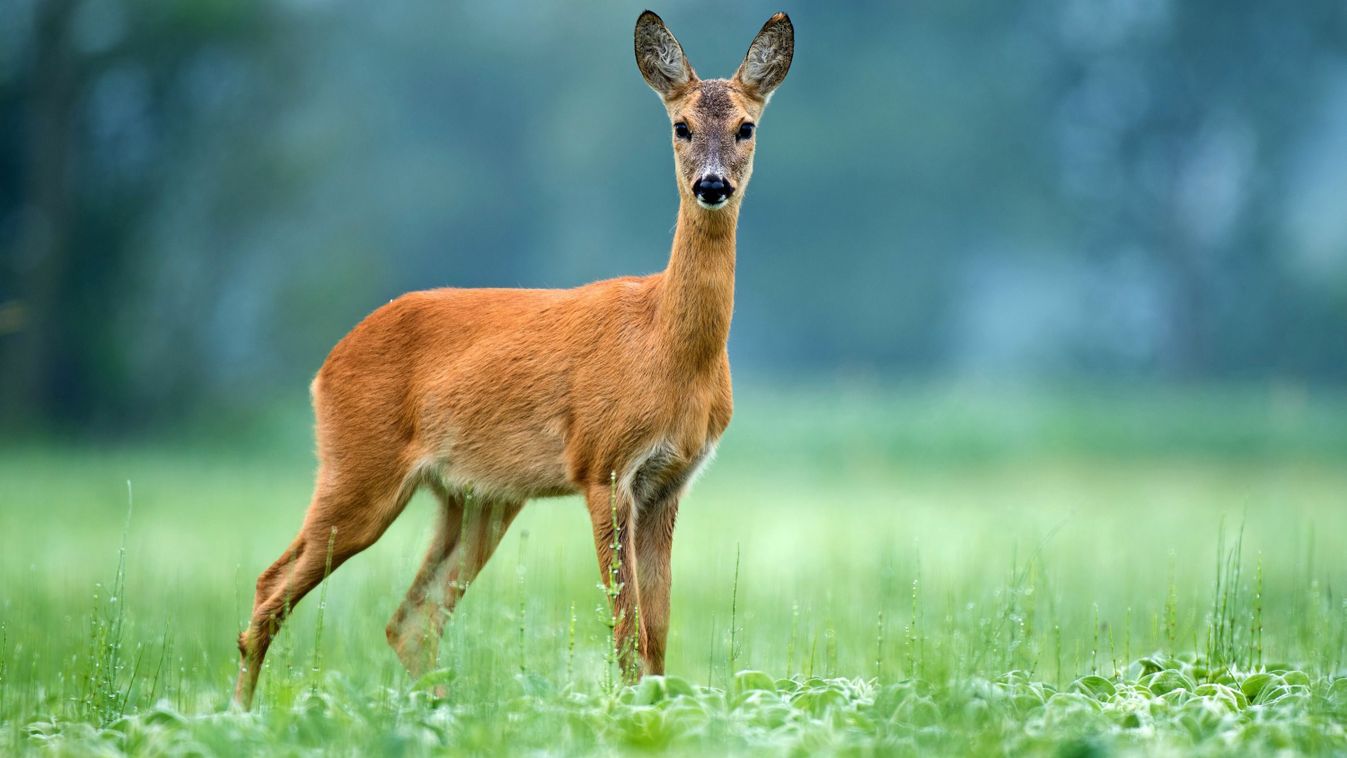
x=768, y=59
x=660, y=58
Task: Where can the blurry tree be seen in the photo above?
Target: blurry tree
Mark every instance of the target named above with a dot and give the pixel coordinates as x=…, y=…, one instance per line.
x=1178, y=126
x=99, y=102
x=197, y=197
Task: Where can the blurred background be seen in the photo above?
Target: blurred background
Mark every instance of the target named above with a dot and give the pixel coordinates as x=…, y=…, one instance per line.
x=1039, y=306
x=197, y=199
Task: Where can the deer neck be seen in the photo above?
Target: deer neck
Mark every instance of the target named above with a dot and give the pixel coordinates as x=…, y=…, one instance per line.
x=696, y=300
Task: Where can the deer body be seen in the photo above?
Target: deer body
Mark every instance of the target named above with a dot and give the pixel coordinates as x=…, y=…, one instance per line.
x=521, y=394
x=492, y=397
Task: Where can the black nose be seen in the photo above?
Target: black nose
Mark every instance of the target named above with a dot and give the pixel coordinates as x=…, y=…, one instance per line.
x=712, y=189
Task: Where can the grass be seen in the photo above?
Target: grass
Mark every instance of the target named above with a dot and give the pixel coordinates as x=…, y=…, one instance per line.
x=907, y=572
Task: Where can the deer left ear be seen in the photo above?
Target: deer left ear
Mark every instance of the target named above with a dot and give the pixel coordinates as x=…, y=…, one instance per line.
x=660, y=58
x=768, y=59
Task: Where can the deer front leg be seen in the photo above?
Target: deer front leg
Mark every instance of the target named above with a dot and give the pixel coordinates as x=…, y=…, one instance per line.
x=610, y=515
x=654, y=544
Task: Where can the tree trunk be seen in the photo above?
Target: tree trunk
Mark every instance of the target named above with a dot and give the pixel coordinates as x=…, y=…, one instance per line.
x=30, y=383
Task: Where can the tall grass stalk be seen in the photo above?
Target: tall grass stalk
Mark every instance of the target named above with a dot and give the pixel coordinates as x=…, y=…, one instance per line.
x=733, y=657
x=523, y=601
x=1256, y=623
x=711, y=646
x=1172, y=606
x=4, y=666
x=613, y=588
x=165, y=643
x=322, y=609
x=1057, y=651
x=1127, y=637
x=570, y=647
x=103, y=701
x=831, y=649
x=914, y=635
x=813, y=650
x=1223, y=647
x=1094, y=647
x=879, y=644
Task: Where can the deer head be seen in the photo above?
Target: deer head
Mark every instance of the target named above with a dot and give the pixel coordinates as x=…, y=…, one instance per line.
x=714, y=121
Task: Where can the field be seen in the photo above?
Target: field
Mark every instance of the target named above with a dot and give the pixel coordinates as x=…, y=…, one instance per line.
x=862, y=570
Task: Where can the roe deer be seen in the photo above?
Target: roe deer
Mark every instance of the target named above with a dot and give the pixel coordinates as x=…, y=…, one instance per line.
x=491, y=397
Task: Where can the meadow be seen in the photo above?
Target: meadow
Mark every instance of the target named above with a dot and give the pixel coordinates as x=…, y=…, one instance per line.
x=864, y=570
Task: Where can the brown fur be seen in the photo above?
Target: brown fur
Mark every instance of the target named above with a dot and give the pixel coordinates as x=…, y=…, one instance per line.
x=491, y=397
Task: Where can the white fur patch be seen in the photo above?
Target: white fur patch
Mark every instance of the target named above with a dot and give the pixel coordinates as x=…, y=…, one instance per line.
x=668, y=58
x=628, y=478
x=708, y=455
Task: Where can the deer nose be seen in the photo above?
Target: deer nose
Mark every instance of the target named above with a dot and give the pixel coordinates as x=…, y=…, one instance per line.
x=712, y=189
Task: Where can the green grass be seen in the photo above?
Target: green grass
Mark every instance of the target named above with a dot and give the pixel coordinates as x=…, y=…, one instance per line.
x=905, y=572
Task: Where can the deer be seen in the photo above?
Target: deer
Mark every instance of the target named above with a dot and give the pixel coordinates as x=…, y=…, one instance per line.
x=618, y=391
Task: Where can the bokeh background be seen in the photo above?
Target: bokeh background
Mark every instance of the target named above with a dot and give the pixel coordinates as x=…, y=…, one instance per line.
x=198, y=198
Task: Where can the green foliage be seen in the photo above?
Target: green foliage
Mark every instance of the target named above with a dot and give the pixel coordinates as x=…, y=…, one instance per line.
x=1033, y=602
x=1011, y=713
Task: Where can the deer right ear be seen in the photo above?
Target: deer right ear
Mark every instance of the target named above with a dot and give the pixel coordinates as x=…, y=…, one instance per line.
x=660, y=58
x=768, y=59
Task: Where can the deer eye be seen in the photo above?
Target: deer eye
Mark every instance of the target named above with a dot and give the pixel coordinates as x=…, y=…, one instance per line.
x=745, y=132
x=681, y=131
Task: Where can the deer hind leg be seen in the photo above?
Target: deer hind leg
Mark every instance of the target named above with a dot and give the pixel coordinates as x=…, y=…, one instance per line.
x=342, y=520
x=270, y=579
x=467, y=535
x=414, y=631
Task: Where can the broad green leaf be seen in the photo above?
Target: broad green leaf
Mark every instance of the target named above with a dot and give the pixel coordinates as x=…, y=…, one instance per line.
x=1096, y=686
